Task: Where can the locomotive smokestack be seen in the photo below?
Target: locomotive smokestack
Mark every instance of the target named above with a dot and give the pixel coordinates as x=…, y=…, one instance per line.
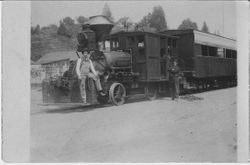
x=101, y=25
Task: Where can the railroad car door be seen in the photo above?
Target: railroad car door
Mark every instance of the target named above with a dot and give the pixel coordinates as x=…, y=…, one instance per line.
x=163, y=58
x=131, y=43
x=153, y=57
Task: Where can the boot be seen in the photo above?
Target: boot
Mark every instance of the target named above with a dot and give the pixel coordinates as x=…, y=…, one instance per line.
x=101, y=93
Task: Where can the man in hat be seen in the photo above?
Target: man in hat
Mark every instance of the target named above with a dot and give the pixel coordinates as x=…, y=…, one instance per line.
x=84, y=69
x=174, y=79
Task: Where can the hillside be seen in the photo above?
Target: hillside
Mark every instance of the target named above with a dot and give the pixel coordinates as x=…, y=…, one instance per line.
x=47, y=41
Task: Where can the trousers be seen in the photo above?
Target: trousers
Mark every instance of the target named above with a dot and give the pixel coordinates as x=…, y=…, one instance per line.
x=174, y=88
x=82, y=84
x=97, y=81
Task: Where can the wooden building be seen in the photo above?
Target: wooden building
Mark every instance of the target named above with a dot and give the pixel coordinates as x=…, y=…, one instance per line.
x=56, y=63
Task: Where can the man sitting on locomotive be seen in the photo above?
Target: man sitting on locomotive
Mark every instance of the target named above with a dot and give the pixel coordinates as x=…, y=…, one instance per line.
x=84, y=69
x=174, y=71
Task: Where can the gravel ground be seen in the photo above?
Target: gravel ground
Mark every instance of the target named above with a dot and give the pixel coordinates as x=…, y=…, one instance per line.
x=196, y=128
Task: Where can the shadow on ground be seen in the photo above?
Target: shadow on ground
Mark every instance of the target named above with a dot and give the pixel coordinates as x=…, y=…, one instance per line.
x=71, y=107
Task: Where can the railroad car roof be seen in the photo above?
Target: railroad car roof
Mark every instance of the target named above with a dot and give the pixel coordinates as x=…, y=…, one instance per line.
x=57, y=56
x=206, y=38
x=141, y=32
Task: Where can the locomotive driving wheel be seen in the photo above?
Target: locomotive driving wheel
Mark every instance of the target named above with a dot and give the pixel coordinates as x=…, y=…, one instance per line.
x=117, y=94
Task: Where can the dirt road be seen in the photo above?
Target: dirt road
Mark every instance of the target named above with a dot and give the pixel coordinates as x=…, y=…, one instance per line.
x=200, y=129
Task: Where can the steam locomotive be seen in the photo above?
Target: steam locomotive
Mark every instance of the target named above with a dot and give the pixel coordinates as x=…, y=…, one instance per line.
x=136, y=62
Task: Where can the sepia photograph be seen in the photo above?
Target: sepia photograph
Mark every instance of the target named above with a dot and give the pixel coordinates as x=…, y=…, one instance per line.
x=133, y=82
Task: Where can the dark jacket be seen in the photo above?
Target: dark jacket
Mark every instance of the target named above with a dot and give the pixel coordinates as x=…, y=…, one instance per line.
x=173, y=73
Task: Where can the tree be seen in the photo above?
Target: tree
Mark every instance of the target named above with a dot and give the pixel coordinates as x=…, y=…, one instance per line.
x=145, y=21
x=81, y=19
x=144, y=24
x=157, y=19
x=205, y=28
x=154, y=21
x=68, y=21
x=107, y=12
x=125, y=22
x=187, y=24
x=62, y=30
x=68, y=27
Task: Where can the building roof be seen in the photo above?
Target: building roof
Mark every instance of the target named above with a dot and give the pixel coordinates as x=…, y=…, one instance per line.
x=57, y=56
x=205, y=38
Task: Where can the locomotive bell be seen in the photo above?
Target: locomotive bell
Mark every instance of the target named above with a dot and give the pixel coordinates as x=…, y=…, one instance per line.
x=101, y=25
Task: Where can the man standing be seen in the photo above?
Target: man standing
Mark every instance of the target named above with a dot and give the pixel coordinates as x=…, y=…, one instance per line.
x=174, y=79
x=84, y=69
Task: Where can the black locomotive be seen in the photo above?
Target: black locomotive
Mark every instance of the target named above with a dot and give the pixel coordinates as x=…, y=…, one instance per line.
x=136, y=62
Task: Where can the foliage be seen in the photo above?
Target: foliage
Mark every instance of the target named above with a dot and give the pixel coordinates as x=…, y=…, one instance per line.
x=62, y=30
x=157, y=19
x=125, y=22
x=205, y=27
x=81, y=19
x=68, y=21
x=53, y=38
x=153, y=22
x=145, y=21
x=188, y=24
x=107, y=12
x=68, y=27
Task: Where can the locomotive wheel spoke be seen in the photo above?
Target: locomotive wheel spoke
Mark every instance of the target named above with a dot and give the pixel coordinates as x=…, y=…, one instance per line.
x=117, y=93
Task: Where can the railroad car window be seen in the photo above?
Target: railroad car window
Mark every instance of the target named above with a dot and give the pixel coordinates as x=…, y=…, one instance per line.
x=141, y=42
x=198, y=49
x=163, y=69
x=174, y=43
x=234, y=54
x=169, y=42
x=220, y=52
x=107, y=45
x=204, y=50
x=163, y=42
x=131, y=40
x=212, y=51
x=224, y=53
x=163, y=52
x=115, y=43
x=228, y=53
